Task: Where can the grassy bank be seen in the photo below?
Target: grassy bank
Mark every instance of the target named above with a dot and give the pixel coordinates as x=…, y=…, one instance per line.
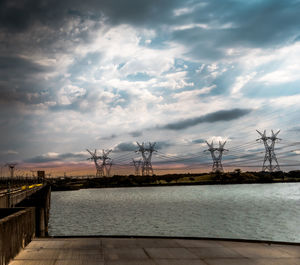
x=236, y=177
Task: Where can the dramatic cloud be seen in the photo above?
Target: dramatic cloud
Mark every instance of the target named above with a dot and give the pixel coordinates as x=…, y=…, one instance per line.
x=217, y=28
x=20, y=16
x=129, y=146
x=102, y=74
x=51, y=157
x=199, y=141
x=222, y=115
x=132, y=146
x=161, y=145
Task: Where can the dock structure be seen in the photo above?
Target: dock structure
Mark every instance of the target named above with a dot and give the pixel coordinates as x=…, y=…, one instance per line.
x=24, y=215
x=155, y=251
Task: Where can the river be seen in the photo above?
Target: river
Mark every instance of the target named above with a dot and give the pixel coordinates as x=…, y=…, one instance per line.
x=249, y=211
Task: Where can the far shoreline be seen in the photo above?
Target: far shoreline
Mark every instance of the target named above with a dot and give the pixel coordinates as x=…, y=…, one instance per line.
x=121, y=181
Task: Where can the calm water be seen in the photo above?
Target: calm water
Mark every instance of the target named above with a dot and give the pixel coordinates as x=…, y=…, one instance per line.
x=255, y=211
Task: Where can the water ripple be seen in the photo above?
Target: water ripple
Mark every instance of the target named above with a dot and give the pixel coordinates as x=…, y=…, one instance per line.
x=254, y=211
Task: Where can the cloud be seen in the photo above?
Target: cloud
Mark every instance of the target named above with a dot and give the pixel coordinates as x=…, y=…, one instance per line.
x=132, y=146
x=198, y=141
x=21, y=16
x=126, y=147
x=9, y=152
x=20, y=80
x=110, y=137
x=207, y=29
x=221, y=115
x=19, y=64
x=51, y=157
x=193, y=94
x=113, y=135
x=282, y=76
x=295, y=129
x=136, y=133
x=296, y=152
x=162, y=144
x=240, y=82
x=73, y=70
x=259, y=24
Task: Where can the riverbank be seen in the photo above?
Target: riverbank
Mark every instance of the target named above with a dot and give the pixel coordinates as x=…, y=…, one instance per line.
x=236, y=177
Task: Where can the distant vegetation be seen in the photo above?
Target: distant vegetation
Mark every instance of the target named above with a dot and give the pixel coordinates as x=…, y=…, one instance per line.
x=235, y=177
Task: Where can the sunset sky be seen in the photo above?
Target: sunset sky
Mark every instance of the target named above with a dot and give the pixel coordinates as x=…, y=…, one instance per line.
x=105, y=74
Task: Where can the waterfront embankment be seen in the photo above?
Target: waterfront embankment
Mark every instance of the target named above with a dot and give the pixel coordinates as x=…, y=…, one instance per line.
x=236, y=177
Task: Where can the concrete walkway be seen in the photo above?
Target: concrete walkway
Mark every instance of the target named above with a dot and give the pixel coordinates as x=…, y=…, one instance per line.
x=150, y=251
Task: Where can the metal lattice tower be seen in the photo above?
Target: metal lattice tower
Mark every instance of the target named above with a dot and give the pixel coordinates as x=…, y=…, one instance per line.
x=146, y=153
x=216, y=155
x=137, y=166
x=95, y=158
x=269, y=143
x=11, y=167
x=106, y=162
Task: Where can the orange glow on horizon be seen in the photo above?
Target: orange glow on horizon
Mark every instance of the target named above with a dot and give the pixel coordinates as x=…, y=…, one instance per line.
x=75, y=169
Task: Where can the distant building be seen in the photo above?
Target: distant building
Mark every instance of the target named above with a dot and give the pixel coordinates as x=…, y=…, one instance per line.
x=41, y=175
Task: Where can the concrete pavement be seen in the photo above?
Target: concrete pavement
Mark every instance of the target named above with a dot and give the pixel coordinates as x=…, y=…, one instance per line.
x=154, y=251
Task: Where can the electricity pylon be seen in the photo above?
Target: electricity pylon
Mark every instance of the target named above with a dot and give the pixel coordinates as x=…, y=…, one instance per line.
x=137, y=166
x=11, y=167
x=146, y=153
x=103, y=169
x=269, y=143
x=217, y=158
x=95, y=158
x=106, y=162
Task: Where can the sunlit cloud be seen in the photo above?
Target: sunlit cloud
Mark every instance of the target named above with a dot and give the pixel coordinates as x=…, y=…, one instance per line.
x=107, y=74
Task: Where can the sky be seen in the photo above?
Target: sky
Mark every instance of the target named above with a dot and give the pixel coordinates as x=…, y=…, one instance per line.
x=77, y=75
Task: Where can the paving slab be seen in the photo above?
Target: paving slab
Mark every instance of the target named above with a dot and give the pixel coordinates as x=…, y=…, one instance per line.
x=157, y=243
x=180, y=262
x=215, y=252
x=53, y=244
x=293, y=251
x=38, y=254
x=130, y=262
x=262, y=252
x=198, y=243
x=230, y=261
x=154, y=251
x=277, y=261
x=84, y=243
x=119, y=243
x=80, y=254
x=78, y=262
x=239, y=244
x=32, y=262
x=170, y=253
x=124, y=253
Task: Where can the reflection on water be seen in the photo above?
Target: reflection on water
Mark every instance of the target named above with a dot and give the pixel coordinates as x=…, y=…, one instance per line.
x=254, y=211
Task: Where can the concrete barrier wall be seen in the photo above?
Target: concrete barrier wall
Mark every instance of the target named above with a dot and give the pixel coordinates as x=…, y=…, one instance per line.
x=41, y=201
x=7, y=211
x=16, y=231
